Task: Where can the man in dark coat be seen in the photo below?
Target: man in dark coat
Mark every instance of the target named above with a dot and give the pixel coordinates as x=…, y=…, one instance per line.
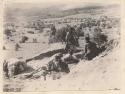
x=71, y=39
x=57, y=64
x=91, y=49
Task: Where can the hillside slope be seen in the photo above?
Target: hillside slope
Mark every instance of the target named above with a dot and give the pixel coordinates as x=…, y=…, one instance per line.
x=98, y=74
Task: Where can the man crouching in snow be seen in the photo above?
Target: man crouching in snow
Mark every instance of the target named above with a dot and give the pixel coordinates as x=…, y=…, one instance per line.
x=70, y=58
x=56, y=66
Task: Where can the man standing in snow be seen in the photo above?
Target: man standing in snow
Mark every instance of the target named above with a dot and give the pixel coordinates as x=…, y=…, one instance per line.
x=71, y=39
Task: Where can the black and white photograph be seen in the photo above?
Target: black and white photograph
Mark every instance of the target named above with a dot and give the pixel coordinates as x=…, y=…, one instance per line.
x=56, y=45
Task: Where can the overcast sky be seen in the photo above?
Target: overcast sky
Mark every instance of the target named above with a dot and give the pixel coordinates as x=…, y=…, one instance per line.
x=66, y=1
x=68, y=4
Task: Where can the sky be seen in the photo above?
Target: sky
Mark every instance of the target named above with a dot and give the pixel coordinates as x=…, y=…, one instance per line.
x=68, y=3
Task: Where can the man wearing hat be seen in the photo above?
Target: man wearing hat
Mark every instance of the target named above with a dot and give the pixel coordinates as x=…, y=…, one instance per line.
x=56, y=66
x=71, y=39
x=91, y=49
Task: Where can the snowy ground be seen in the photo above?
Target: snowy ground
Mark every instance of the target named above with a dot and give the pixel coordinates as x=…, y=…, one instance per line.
x=102, y=73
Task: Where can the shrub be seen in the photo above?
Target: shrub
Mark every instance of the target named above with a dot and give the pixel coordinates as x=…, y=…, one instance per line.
x=7, y=32
x=24, y=39
x=31, y=32
x=34, y=40
x=59, y=36
x=4, y=48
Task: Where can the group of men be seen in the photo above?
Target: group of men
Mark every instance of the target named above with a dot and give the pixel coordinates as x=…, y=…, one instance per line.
x=71, y=42
x=60, y=63
x=90, y=51
x=57, y=66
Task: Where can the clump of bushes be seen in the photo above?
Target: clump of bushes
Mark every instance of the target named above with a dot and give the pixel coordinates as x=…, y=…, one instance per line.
x=31, y=32
x=7, y=32
x=34, y=40
x=59, y=36
x=24, y=39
